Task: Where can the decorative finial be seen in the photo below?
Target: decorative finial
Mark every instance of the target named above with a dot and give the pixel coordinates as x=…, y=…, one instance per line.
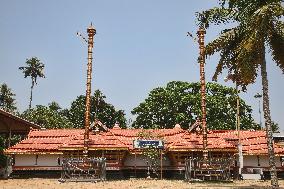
x=91, y=30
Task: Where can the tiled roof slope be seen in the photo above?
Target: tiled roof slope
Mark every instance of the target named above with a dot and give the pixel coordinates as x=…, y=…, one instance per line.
x=44, y=141
x=177, y=139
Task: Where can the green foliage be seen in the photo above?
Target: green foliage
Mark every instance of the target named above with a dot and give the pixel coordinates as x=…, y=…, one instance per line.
x=47, y=117
x=7, y=100
x=215, y=15
x=54, y=106
x=3, y=160
x=53, y=116
x=4, y=144
x=34, y=69
x=4, y=140
x=179, y=102
x=242, y=48
x=274, y=127
x=100, y=110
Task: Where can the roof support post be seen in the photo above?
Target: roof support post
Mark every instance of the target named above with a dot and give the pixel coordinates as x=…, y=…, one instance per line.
x=9, y=138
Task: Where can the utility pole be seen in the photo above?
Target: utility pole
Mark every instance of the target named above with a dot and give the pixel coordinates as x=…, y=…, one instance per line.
x=238, y=122
x=91, y=33
x=201, y=33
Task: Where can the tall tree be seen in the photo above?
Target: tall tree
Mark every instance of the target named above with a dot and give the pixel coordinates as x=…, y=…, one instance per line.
x=7, y=100
x=179, y=102
x=100, y=109
x=34, y=69
x=243, y=48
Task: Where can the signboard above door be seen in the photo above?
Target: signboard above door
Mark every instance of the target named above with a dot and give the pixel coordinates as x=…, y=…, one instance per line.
x=140, y=144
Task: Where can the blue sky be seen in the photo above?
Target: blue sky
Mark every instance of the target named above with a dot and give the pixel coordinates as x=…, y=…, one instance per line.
x=139, y=45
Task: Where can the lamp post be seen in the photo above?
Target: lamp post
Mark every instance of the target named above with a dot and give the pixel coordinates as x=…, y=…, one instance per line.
x=259, y=96
x=91, y=33
x=201, y=33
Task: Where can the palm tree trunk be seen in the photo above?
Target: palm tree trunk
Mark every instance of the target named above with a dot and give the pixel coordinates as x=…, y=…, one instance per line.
x=267, y=117
x=31, y=97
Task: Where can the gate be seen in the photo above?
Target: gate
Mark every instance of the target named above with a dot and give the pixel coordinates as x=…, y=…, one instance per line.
x=218, y=169
x=83, y=169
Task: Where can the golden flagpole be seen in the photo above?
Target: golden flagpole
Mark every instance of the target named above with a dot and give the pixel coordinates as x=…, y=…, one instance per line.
x=91, y=33
x=201, y=33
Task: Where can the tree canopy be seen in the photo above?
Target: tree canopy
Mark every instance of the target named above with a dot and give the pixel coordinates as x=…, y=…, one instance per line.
x=47, y=117
x=100, y=109
x=242, y=48
x=7, y=100
x=53, y=116
x=179, y=102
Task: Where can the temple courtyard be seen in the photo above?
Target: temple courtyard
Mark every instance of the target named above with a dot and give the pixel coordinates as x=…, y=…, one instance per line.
x=129, y=184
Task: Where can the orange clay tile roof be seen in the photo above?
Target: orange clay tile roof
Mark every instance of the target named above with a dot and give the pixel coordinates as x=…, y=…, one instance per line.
x=56, y=140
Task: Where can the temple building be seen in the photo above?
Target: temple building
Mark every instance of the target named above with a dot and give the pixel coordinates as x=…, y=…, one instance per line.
x=46, y=149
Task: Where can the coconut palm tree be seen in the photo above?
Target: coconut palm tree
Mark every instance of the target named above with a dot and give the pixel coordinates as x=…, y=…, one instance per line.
x=243, y=48
x=34, y=69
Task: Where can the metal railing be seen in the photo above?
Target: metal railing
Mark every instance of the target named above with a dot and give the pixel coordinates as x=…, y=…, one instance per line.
x=83, y=169
x=218, y=169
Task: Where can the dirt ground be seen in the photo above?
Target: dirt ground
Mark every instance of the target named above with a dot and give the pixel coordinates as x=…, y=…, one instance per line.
x=127, y=184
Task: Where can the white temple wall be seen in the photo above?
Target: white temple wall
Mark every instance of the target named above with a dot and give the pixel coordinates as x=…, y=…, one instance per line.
x=48, y=160
x=263, y=161
x=24, y=160
x=37, y=160
x=52, y=160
